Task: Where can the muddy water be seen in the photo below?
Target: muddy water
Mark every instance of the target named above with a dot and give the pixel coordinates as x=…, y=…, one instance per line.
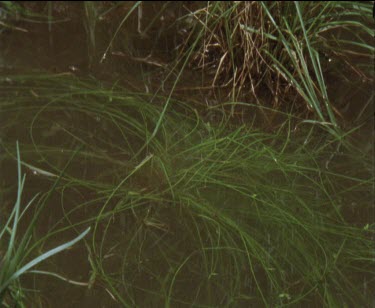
x=139, y=65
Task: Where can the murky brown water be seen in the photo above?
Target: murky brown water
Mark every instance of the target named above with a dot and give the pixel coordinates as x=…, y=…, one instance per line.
x=64, y=49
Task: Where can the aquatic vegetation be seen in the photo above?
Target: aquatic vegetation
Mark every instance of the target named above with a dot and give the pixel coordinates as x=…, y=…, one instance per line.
x=284, y=48
x=221, y=174
x=275, y=54
x=14, y=255
x=202, y=214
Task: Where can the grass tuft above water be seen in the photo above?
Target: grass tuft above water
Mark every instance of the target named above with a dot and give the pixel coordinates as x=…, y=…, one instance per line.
x=17, y=249
x=284, y=49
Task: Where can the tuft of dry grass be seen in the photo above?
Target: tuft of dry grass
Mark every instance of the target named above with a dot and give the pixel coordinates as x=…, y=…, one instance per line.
x=229, y=52
x=281, y=48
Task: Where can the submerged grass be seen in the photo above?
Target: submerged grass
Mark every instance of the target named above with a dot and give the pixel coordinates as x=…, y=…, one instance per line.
x=200, y=214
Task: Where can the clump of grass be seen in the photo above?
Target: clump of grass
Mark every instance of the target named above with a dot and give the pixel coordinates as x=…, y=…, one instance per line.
x=18, y=249
x=281, y=47
x=197, y=214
